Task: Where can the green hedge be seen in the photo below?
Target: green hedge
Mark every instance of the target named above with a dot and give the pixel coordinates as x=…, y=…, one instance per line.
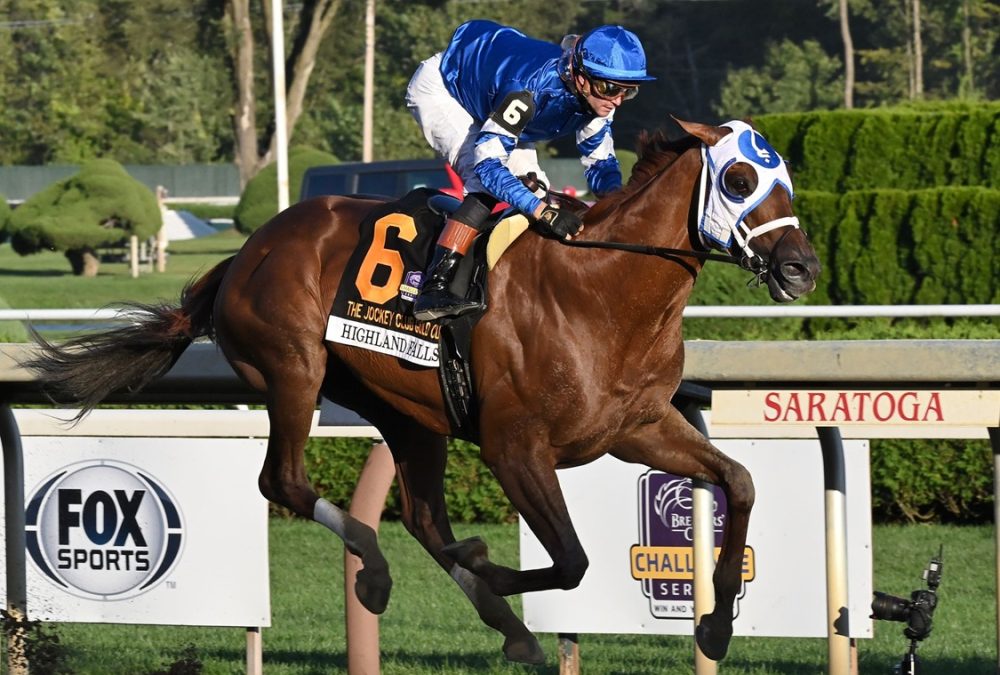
x=259, y=201
x=901, y=247
x=906, y=149
x=933, y=246
x=473, y=494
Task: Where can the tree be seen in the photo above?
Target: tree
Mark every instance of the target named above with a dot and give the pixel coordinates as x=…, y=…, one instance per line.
x=99, y=206
x=253, y=148
x=140, y=82
x=845, y=36
x=793, y=78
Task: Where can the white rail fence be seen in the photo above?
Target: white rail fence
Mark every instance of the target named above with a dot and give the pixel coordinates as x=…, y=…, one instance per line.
x=693, y=312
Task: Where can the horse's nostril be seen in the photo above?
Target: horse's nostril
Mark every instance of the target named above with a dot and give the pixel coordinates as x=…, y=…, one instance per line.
x=794, y=271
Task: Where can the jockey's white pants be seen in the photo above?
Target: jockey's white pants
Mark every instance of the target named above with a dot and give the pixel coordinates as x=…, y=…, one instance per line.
x=452, y=131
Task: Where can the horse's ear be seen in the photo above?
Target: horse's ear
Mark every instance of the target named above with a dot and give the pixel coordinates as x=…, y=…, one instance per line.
x=707, y=134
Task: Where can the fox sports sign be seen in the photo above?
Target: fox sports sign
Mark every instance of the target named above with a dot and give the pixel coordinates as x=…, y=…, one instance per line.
x=103, y=530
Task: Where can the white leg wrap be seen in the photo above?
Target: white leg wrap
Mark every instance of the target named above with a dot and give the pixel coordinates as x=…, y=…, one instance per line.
x=329, y=515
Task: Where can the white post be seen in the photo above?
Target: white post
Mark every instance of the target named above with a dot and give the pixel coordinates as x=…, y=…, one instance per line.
x=161, y=234
x=134, y=256
x=280, y=119
x=369, y=98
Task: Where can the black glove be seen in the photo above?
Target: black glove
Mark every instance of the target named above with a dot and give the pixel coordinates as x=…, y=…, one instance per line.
x=562, y=223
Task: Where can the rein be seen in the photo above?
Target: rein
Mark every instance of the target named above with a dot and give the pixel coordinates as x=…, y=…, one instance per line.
x=658, y=251
x=756, y=266
x=753, y=264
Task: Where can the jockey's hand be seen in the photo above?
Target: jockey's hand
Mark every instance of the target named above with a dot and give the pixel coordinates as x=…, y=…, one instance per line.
x=562, y=223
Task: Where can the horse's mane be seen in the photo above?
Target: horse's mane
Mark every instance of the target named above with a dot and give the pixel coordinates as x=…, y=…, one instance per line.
x=655, y=153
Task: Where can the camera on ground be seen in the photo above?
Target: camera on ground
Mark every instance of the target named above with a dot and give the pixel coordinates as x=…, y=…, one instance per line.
x=917, y=612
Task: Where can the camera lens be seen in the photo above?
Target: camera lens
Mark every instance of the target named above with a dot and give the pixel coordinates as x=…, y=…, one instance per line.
x=890, y=608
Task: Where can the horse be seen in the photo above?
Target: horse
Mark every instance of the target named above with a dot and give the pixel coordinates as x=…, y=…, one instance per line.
x=579, y=357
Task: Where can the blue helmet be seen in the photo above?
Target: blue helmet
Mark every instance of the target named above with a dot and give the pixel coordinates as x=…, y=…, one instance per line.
x=612, y=53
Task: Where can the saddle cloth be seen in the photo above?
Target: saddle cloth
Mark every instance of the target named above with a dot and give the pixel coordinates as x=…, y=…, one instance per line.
x=373, y=308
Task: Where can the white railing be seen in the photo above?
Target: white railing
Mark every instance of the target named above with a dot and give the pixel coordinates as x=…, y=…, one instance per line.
x=695, y=311
x=837, y=311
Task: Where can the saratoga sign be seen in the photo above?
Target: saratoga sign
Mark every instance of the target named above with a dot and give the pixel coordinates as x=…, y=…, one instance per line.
x=856, y=407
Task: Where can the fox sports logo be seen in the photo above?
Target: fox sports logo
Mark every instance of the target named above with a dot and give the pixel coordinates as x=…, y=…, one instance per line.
x=103, y=530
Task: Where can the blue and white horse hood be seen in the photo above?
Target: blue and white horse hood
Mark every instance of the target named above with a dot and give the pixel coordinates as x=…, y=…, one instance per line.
x=725, y=211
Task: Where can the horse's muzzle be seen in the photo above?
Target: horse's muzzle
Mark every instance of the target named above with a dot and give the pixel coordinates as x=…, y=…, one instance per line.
x=793, y=274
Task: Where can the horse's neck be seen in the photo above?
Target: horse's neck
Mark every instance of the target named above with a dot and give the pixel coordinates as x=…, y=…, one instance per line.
x=657, y=213
x=642, y=296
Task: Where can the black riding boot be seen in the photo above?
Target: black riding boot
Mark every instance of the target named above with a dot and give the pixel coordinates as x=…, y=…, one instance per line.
x=435, y=299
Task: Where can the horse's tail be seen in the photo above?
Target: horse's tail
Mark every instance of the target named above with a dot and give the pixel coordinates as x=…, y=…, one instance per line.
x=83, y=371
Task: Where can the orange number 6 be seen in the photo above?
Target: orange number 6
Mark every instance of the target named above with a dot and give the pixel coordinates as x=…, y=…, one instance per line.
x=378, y=254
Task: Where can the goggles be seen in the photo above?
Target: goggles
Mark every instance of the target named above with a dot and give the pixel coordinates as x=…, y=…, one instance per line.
x=608, y=90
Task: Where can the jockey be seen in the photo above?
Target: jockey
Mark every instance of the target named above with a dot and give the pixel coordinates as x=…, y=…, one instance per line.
x=487, y=99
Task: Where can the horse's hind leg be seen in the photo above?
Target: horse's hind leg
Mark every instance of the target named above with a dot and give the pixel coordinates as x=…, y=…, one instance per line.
x=674, y=446
x=290, y=405
x=420, y=457
x=528, y=478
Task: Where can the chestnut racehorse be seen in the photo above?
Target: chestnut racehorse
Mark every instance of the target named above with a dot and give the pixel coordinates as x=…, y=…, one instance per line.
x=579, y=357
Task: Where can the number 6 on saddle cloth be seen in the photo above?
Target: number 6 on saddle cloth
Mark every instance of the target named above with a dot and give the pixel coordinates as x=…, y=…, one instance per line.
x=373, y=308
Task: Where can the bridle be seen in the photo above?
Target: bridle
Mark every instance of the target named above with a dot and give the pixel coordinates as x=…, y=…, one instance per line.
x=750, y=260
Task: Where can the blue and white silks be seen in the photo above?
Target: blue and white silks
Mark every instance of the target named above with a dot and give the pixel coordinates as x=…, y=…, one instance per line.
x=483, y=64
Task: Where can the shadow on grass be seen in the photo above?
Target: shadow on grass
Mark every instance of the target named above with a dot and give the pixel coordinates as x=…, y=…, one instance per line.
x=977, y=665
x=220, y=251
x=317, y=661
x=35, y=273
x=872, y=665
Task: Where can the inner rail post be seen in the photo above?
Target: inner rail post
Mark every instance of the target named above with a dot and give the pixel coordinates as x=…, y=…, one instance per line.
x=837, y=606
x=17, y=587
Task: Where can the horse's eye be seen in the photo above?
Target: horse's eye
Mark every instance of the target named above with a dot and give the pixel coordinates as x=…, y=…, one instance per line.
x=741, y=186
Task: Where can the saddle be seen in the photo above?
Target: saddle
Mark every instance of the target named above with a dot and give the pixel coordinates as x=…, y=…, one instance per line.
x=373, y=305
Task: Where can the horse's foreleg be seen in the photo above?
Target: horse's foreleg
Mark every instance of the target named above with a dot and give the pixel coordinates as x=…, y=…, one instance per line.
x=674, y=446
x=420, y=462
x=283, y=481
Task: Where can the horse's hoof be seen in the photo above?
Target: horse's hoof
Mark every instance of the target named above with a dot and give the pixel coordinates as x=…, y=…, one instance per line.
x=372, y=588
x=524, y=649
x=467, y=552
x=713, y=636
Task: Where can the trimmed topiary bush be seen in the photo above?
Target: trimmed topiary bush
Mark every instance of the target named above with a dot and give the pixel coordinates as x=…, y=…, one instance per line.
x=99, y=206
x=259, y=201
